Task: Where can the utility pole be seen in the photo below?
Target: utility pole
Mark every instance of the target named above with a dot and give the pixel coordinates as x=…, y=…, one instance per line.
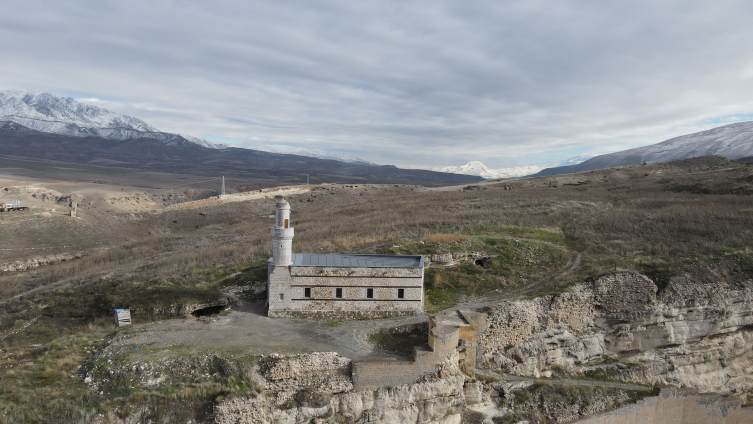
x=307, y=180
x=222, y=193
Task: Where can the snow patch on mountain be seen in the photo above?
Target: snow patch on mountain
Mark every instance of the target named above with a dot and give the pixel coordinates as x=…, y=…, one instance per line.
x=572, y=161
x=479, y=169
x=48, y=113
x=302, y=151
x=47, y=108
x=732, y=141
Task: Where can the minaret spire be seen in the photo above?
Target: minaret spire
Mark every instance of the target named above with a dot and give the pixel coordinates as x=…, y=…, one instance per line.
x=282, y=235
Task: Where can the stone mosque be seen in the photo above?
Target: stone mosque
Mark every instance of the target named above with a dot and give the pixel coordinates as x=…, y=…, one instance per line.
x=313, y=285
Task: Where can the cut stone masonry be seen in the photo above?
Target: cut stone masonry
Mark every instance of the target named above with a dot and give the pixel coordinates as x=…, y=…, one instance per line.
x=455, y=331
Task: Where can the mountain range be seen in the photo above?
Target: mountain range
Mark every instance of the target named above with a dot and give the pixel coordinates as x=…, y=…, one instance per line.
x=44, y=127
x=48, y=113
x=65, y=116
x=302, y=151
x=479, y=169
x=733, y=141
x=35, y=116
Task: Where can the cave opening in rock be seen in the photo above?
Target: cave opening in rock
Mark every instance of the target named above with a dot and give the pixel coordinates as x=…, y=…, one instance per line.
x=209, y=311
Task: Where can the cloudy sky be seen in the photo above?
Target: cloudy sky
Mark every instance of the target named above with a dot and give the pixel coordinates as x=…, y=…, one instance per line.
x=410, y=83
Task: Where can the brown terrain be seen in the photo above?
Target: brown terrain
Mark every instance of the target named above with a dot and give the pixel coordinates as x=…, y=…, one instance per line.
x=131, y=246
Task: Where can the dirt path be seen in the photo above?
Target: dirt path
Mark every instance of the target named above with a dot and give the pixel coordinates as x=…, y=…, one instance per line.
x=567, y=381
x=570, y=266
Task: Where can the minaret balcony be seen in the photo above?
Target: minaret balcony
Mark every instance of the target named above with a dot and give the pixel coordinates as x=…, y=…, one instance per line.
x=282, y=233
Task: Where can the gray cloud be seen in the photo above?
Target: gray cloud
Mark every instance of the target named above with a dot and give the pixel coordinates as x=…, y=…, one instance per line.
x=409, y=83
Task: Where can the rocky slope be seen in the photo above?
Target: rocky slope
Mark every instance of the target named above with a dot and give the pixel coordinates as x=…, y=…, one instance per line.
x=279, y=389
x=317, y=388
x=686, y=335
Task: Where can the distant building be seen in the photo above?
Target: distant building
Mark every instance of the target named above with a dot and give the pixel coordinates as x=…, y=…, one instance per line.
x=311, y=285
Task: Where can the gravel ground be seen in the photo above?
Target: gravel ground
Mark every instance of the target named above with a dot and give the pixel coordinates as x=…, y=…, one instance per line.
x=248, y=330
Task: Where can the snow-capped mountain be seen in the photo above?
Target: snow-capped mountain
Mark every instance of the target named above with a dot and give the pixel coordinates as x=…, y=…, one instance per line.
x=479, y=169
x=302, y=151
x=732, y=141
x=573, y=160
x=63, y=115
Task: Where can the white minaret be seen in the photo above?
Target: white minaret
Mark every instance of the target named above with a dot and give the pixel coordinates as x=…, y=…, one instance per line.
x=282, y=236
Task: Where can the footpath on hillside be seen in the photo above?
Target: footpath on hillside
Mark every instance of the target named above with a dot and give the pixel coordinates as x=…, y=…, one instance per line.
x=565, y=381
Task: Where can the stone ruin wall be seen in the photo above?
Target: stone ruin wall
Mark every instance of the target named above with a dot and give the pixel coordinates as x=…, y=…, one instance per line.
x=450, y=334
x=385, y=373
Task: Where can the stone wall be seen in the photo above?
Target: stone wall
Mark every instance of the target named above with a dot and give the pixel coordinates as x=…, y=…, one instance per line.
x=279, y=290
x=378, y=372
x=287, y=290
x=343, y=314
x=320, y=371
x=451, y=334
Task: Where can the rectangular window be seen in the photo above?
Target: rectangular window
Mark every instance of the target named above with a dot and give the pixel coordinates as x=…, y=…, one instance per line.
x=339, y=293
x=287, y=223
x=369, y=293
x=401, y=293
x=307, y=292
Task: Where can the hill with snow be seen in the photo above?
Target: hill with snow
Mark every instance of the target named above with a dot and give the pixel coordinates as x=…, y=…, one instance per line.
x=302, y=151
x=573, y=160
x=732, y=141
x=48, y=113
x=480, y=170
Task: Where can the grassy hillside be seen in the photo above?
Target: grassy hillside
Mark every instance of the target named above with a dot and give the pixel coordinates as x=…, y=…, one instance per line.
x=689, y=219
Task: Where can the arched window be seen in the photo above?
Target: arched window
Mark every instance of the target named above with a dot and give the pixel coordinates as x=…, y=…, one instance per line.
x=287, y=223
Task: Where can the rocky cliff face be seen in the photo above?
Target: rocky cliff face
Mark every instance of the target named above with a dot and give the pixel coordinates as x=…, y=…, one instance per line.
x=687, y=335
x=317, y=388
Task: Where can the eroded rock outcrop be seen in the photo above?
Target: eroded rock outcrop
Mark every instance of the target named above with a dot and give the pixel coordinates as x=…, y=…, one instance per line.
x=689, y=335
x=37, y=262
x=297, y=392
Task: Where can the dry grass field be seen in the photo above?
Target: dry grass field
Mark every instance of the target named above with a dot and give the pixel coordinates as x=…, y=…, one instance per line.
x=692, y=218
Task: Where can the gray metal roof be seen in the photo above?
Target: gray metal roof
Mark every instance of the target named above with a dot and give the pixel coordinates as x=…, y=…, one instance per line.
x=357, y=261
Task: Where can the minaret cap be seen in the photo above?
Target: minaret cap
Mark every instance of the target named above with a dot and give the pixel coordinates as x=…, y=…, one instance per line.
x=283, y=204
